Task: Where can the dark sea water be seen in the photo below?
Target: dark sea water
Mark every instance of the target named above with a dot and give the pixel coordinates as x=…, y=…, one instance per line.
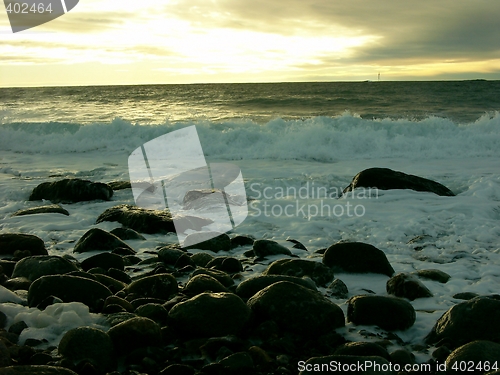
x=460, y=101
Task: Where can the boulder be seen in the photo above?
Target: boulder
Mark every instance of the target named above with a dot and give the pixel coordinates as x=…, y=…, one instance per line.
x=241, y=240
x=227, y=264
x=131, y=334
x=476, y=357
x=120, y=185
x=263, y=248
x=407, y=286
x=161, y=286
x=318, y=272
x=203, y=283
x=210, y=315
x=387, y=179
x=249, y=287
x=98, y=239
x=475, y=319
x=71, y=190
x=296, y=309
x=346, y=364
x=362, y=349
x=148, y=221
x=389, y=313
x=357, y=257
x=10, y=242
x=220, y=276
x=104, y=261
x=37, y=266
x=212, y=241
x=88, y=344
x=68, y=289
x=50, y=209
x=170, y=255
x=338, y=289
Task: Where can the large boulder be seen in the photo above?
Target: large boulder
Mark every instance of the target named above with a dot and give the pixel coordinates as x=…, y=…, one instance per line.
x=210, y=315
x=407, y=286
x=386, y=179
x=71, y=190
x=321, y=274
x=475, y=319
x=389, y=313
x=10, y=242
x=249, y=287
x=357, y=257
x=98, y=239
x=68, y=289
x=296, y=309
x=37, y=266
x=90, y=345
x=50, y=209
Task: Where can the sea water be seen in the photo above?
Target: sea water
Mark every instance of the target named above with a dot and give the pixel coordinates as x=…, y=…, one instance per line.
x=297, y=145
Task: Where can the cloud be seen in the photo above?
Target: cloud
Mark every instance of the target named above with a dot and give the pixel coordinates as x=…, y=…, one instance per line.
x=408, y=31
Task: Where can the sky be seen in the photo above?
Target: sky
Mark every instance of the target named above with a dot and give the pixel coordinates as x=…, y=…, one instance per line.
x=109, y=42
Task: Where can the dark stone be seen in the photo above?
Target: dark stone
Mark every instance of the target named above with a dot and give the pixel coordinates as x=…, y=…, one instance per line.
x=119, y=275
x=114, y=285
x=436, y=275
x=210, y=315
x=103, y=260
x=362, y=349
x=338, y=289
x=10, y=242
x=68, y=289
x=406, y=286
x=402, y=357
x=115, y=300
x=320, y=365
x=50, y=209
x=153, y=311
x=220, y=276
x=476, y=319
x=249, y=287
x=17, y=283
x=127, y=234
x=241, y=240
x=177, y=369
x=120, y=185
x=98, y=239
x=263, y=248
x=18, y=327
x=357, y=257
x=161, y=286
x=297, y=244
x=296, y=309
x=148, y=221
x=471, y=358
x=88, y=344
x=135, y=333
x=318, y=272
x=238, y=363
x=37, y=266
x=465, y=295
x=212, y=241
x=170, y=255
x=201, y=259
x=36, y=370
x=386, y=179
x=226, y=264
x=388, y=313
x=203, y=283
x=7, y=266
x=71, y=190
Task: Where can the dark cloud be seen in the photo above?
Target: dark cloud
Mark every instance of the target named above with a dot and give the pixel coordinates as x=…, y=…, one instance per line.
x=408, y=31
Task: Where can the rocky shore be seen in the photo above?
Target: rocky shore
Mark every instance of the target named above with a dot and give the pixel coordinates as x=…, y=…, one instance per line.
x=208, y=310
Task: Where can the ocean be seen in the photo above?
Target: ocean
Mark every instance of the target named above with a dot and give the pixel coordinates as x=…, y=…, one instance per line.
x=297, y=146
